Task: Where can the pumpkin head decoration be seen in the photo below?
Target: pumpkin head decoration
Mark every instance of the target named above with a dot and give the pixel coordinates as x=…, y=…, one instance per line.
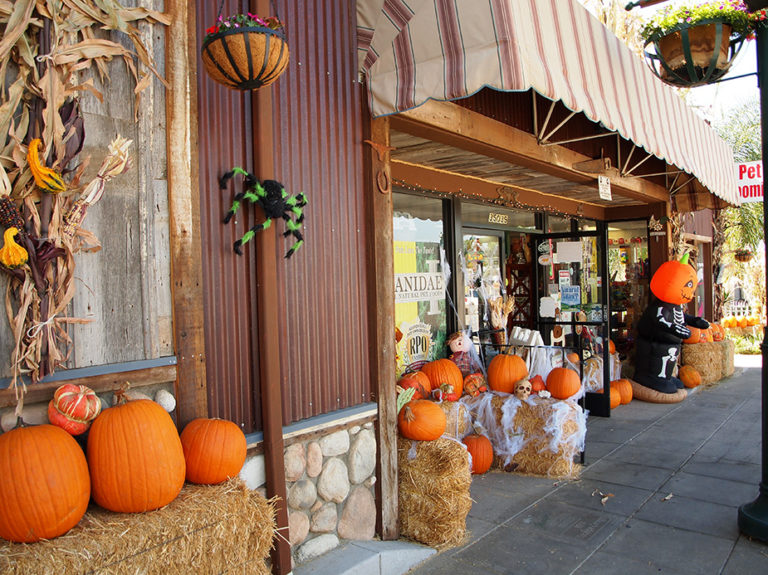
x=675, y=282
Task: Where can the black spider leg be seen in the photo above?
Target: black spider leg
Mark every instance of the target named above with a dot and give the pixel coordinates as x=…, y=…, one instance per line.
x=235, y=206
x=248, y=236
x=250, y=181
x=293, y=230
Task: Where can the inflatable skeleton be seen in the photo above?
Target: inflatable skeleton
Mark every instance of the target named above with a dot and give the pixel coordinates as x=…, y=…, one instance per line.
x=663, y=326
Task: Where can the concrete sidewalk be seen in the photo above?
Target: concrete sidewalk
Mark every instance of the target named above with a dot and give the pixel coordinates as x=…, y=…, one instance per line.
x=659, y=494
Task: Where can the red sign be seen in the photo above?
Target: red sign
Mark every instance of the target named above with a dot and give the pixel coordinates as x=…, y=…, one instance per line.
x=750, y=180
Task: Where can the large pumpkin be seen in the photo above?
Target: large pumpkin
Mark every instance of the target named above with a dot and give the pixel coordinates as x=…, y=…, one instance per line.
x=444, y=372
x=481, y=450
x=418, y=381
x=675, y=282
x=135, y=457
x=214, y=450
x=422, y=420
x=563, y=382
x=624, y=388
x=73, y=407
x=690, y=376
x=505, y=371
x=44, y=483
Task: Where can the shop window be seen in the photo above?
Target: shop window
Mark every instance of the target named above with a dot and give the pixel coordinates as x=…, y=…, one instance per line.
x=556, y=224
x=420, y=280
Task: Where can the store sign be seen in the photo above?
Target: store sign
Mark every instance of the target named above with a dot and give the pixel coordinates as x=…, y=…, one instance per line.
x=416, y=344
x=750, y=181
x=604, y=187
x=421, y=286
x=498, y=218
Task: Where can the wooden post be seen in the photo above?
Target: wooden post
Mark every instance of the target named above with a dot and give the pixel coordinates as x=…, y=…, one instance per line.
x=381, y=313
x=267, y=292
x=184, y=208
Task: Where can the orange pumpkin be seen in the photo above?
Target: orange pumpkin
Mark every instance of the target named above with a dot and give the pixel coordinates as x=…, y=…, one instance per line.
x=419, y=382
x=611, y=347
x=718, y=334
x=613, y=396
x=73, y=407
x=214, y=450
x=708, y=337
x=422, y=420
x=563, y=382
x=481, y=450
x=505, y=371
x=695, y=336
x=624, y=388
x=675, y=282
x=444, y=372
x=135, y=457
x=689, y=376
x=44, y=481
x=573, y=357
x=742, y=322
x=537, y=384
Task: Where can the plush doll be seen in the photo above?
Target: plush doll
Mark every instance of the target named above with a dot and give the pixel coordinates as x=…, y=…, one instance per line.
x=663, y=326
x=463, y=353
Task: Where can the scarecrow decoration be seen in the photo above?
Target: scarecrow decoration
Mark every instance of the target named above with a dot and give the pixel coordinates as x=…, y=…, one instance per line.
x=663, y=327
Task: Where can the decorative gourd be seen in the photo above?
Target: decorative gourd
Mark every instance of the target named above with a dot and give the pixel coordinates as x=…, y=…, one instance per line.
x=505, y=371
x=689, y=376
x=44, y=483
x=418, y=381
x=444, y=371
x=675, y=282
x=475, y=384
x=12, y=255
x=563, y=382
x=481, y=450
x=624, y=388
x=73, y=407
x=422, y=420
x=537, y=384
x=135, y=457
x=695, y=336
x=214, y=450
x=46, y=178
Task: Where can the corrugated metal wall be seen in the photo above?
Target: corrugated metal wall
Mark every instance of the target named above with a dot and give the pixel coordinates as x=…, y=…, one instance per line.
x=318, y=151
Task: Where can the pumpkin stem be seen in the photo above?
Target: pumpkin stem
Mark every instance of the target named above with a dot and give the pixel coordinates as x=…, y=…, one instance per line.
x=120, y=396
x=20, y=423
x=409, y=416
x=684, y=259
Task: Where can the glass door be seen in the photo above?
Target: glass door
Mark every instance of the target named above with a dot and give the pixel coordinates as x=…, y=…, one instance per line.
x=483, y=280
x=573, y=307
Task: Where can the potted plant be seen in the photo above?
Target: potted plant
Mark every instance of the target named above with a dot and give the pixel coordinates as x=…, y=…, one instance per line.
x=695, y=44
x=245, y=51
x=743, y=255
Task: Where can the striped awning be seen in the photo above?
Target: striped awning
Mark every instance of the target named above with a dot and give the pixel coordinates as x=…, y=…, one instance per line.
x=414, y=50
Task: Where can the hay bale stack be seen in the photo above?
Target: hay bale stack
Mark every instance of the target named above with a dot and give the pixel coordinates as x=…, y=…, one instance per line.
x=433, y=491
x=457, y=420
x=707, y=358
x=222, y=528
x=729, y=349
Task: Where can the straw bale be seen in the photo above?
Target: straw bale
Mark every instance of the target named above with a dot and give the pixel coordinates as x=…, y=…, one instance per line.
x=707, y=358
x=457, y=420
x=224, y=528
x=729, y=348
x=433, y=491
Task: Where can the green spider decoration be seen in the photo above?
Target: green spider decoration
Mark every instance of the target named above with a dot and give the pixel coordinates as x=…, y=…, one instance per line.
x=275, y=202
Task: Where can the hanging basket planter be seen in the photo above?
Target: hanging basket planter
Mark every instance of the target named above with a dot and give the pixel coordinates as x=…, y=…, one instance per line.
x=743, y=256
x=245, y=57
x=693, y=55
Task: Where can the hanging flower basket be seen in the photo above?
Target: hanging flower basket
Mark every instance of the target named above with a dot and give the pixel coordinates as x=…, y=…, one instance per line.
x=743, y=256
x=245, y=57
x=691, y=45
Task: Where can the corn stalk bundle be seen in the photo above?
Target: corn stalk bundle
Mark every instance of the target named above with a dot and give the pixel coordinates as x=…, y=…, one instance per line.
x=49, y=53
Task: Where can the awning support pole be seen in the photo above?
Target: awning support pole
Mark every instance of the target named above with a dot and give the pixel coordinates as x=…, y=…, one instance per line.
x=556, y=128
x=681, y=186
x=575, y=139
x=546, y=121
x=637, y=165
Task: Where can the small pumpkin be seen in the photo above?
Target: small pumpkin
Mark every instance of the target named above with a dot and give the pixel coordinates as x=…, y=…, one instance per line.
x=742, y=322
x=504, y=371
x=128, y=445
x=421, y=420
x=695, y=336
x=73, y=407
x=481, y=450
x=611, y=347
x=44, y=481
x=444, y=372
x=708, y=336
x=214, y=450
x=690, y=376
x=718, y=334
x=675, y=282
x=537, y=384
x=475, y=384
x=12, y=255
x=418, y=381
x=563, y=382
x=614, y=396
x=46, y=178
x=624, y=388
x=573, y=357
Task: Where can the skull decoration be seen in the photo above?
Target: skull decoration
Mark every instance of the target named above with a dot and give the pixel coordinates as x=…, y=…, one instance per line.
x=523, y=389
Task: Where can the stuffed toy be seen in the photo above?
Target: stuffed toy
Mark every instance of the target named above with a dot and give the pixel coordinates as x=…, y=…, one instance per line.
x=663, y=326
x=463, y=353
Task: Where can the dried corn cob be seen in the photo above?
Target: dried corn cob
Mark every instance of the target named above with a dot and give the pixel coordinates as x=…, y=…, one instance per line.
x=10, y=216
x=46, y=178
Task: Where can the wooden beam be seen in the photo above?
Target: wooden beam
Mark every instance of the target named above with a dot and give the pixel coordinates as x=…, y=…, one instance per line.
x=468, y=186
x=184, y=209
x=450, y=124
x=268, y=360
x=640, y=212
x=381, y=312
